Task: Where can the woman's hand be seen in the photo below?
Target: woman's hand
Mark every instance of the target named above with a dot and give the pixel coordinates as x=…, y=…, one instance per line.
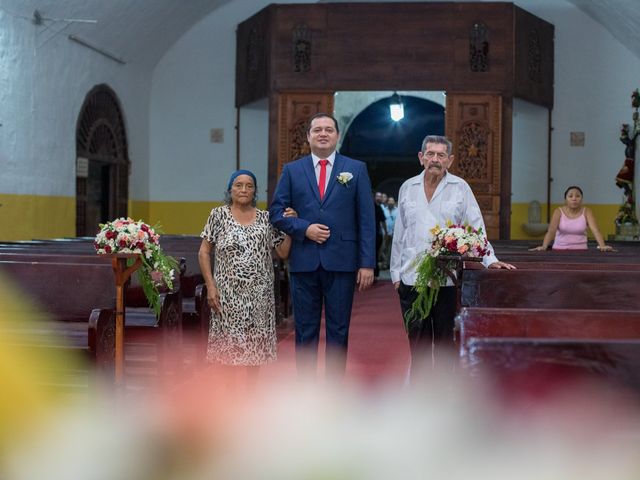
x=539, y=248
x=605, y=248
x=289, y=212
x=213, y=298
x=505, y=265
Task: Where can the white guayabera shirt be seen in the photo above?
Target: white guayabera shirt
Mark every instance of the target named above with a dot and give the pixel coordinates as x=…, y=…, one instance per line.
x=452, y=201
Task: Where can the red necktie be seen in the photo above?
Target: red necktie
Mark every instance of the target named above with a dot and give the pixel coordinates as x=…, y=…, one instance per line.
x=323, y=177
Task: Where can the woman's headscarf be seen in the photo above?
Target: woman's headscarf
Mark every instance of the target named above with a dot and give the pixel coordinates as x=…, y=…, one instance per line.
x=237, y=173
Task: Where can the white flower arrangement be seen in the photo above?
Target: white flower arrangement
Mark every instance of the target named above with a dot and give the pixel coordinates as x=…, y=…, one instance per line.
x=125, y=235
x=344, y=178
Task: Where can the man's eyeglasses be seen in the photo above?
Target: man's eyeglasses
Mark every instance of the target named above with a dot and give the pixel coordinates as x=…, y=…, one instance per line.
x=440, y=155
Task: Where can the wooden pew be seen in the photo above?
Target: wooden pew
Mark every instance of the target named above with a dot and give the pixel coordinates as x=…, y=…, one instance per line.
x=178, y=246
x=194, y=323
x=541, y=265
x=586, y=289
x=198, y=322
x=477, y=322
x=83, y=252
x=514, y=251
x=502, y=246
x=561, y=317
x=73, y=292
x=84, y=351
x=536, y=367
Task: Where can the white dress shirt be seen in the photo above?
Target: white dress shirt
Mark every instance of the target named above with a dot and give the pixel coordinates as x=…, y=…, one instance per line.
x=452, y=201
x=316, y=167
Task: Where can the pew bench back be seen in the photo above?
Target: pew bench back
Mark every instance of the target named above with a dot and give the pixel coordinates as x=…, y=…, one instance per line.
x=477, y=322
x=575, y=289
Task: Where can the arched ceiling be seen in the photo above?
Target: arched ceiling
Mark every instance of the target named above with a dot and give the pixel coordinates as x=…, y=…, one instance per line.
x=137, y=31
x=141, y=31
x=620, y=17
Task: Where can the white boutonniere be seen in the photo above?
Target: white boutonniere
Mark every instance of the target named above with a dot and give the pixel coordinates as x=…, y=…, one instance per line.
x=344, y=178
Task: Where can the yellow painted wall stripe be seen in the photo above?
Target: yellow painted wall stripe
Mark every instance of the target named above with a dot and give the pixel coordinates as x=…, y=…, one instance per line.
x=27, y=217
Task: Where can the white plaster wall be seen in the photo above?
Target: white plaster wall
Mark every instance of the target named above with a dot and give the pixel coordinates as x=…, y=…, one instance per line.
x=193, y=91
x=594, y=78
x=529, y=152
x=42, y=87
x=16, y=78
x=254, y=142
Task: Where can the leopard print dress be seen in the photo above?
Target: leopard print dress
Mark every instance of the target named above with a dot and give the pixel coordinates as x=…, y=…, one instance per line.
x=244, y=332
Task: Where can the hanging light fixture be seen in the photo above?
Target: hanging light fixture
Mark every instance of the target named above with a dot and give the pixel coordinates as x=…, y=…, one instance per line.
x=396, y=108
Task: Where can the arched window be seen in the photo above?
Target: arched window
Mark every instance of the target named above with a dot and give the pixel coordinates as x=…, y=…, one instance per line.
x=102, y=165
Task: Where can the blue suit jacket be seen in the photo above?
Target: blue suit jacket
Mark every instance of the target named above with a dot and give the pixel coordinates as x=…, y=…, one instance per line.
x=346, y=209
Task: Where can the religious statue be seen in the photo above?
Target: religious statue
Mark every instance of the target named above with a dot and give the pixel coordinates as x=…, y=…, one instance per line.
x=626, y=175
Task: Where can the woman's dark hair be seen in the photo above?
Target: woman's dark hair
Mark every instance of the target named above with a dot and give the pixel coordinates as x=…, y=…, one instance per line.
x=571, y=188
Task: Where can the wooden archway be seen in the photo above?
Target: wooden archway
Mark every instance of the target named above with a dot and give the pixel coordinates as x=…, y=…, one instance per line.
x=482, y=54
x=102, y=161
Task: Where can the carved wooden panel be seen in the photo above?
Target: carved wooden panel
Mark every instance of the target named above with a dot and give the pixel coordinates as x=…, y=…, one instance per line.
x=294, y=112
x=534, y=58
x=252, y=58
x=466, y=47
x=474, y=125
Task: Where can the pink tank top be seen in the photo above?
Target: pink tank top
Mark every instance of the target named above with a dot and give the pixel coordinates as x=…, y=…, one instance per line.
x=571, y=233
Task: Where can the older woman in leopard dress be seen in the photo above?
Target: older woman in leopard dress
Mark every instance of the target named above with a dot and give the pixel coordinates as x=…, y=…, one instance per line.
x=240, y=289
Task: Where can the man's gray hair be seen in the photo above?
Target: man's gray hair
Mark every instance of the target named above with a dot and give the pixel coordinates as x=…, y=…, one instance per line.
x=437, y=139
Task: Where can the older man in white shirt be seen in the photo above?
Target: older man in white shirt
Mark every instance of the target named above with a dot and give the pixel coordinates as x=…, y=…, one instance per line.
x=426, y=200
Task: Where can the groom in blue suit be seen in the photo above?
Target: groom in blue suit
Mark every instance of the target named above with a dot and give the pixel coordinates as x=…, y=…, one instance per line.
x=334, y=242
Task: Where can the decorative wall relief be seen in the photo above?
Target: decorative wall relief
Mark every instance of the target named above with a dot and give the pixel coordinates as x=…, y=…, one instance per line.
x=479, y=48
x=294, y=111
x=472, y=151
x=534, y=57
x=474, y=123
x=299, y=146
x=253, y=55
x=301, y=36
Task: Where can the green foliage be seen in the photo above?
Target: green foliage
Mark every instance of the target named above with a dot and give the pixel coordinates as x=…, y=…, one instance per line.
x=157, y=271
x=429, y=279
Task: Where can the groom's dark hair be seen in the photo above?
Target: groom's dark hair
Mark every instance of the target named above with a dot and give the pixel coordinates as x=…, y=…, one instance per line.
x=323, y=115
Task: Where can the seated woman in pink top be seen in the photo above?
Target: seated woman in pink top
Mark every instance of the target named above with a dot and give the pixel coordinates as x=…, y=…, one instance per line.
x=568, y=227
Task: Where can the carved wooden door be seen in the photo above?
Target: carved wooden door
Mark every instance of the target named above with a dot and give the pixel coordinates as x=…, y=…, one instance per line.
x=474, y=125
x=294, y=109
x=102, y=166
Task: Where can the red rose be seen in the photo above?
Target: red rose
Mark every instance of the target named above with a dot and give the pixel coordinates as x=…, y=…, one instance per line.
x=107, y=248
x=140, y=245
x=122, y=243
x=110, y=234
